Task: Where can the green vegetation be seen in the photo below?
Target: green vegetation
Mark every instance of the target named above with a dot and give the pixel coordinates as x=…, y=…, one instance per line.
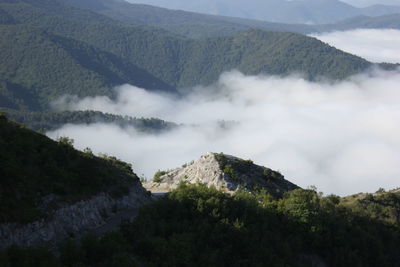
x=200, y=226
x=74, y=51
x=384, y=206
x=197, y=25
x=230, y=171
x=37, y=174
x=48, y=121
x=157, y=176
x=236, y=167
x=37, y=67
x=183, y=23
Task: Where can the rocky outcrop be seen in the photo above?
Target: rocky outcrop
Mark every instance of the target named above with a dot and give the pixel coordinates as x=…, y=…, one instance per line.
x=226, y=173
x=100, y=212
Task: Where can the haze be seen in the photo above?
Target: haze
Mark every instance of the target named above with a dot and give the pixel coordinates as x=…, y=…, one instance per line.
x=372, y=44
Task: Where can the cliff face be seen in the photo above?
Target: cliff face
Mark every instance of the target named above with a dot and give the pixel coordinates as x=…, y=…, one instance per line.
x=226, y=173
x=98, y=214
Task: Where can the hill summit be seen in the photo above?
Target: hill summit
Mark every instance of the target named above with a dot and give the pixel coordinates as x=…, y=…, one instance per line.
x=224, y=172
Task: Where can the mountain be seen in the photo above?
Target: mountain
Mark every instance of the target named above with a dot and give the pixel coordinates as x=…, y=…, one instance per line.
x=297, y=11
x=380, y=10
x=196, y=25
x=224, y=172
x=181, y=22
x=50, y=121
x=363, y=22
x=38, y=66
x=49, y=191
x=62, y=207
x=56, y=49
x=200, y=226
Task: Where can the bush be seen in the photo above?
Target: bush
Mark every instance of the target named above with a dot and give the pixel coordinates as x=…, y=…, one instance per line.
x=157, y=176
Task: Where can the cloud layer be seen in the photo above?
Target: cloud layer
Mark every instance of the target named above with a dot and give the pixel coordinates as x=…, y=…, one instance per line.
x=343, y=137
x=375, y=45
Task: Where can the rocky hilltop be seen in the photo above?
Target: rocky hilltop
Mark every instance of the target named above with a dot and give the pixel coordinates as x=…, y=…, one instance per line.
x=224, y=172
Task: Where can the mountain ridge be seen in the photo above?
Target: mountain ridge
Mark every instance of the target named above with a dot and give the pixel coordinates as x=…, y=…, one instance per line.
x=153, y=56
x=305, y=12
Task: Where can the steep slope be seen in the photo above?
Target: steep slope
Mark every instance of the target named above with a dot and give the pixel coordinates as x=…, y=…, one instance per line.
x=200, y=226
x=383, y=206
x=224, y=172
x=44, y=66
x=49, y=191
x=108, y=51
x=181, y=22
x=202, y=25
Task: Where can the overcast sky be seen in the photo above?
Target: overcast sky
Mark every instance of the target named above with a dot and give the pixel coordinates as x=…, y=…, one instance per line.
x=363, y=3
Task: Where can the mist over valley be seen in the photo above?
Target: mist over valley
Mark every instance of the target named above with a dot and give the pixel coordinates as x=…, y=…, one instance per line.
x=253, y=133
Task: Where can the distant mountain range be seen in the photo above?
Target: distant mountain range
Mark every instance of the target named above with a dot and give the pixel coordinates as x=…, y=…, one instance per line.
x=196, y=25
x=283, y=11
x=49, y=48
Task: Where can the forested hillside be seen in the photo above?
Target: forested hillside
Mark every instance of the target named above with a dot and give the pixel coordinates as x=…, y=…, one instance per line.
x=50, y=121
x=200, y=226
x=99, y=52
x=181, y=22
x=38, y=66
x=198, y=25
x=34, y=167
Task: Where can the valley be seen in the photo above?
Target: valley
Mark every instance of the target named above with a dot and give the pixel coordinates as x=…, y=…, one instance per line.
x=251, y=133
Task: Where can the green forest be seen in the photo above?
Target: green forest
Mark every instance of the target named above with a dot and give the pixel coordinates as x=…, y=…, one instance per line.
x=33, y=166
x=199, y=226
x=50, y=121
x=78, y=52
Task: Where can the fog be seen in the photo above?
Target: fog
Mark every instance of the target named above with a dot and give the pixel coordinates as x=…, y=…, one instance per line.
x=365, y=3
x=343, y=137
x=376, y=45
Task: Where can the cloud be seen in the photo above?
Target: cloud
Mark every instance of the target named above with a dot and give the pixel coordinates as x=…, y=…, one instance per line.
x=343, y=137
x=365, y=3
x=376, y=45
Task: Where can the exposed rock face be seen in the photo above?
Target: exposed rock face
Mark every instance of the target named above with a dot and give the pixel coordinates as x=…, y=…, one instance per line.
x=226, y=173
x=101, y=211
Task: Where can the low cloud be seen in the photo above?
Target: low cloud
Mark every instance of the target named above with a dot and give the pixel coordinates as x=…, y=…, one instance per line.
x=343, y=137
x=376, y=45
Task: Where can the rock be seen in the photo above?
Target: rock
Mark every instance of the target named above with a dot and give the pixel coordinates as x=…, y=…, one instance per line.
x=226, y=173
x=74, y=220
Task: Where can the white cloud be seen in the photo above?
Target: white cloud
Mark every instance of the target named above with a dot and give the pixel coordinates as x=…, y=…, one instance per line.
x=376, y=45
x=343, y=137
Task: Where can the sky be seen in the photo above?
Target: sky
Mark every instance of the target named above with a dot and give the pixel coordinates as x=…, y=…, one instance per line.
x=364, y=3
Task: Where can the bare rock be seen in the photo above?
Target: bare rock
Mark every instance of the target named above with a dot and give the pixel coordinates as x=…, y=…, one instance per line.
x=224, y=172
x=72, y=221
